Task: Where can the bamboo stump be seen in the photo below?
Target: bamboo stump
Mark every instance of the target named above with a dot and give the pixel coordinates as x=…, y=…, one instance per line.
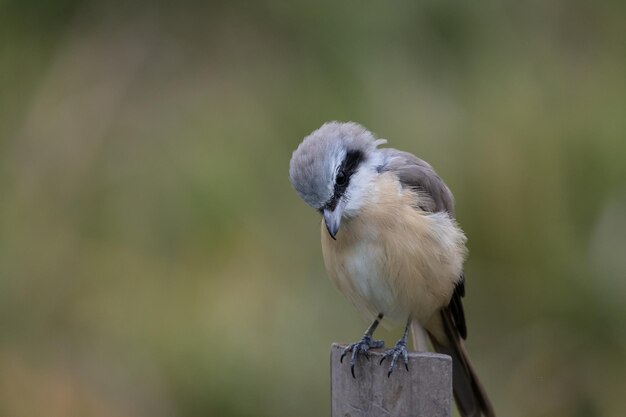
x=424, y=391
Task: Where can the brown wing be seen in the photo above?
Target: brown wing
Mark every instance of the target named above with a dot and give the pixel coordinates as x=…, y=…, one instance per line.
x=468, y=391
x=418, y=174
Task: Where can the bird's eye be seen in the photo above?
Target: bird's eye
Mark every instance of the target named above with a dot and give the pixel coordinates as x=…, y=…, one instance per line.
x=341, y=178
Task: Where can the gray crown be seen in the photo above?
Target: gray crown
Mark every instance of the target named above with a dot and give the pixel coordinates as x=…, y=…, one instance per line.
x=313, y=165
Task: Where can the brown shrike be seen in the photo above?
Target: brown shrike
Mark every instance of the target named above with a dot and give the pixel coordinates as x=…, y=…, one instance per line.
x=391, y=245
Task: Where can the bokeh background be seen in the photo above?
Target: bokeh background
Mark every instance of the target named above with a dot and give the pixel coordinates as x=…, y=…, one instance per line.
x=154, y=260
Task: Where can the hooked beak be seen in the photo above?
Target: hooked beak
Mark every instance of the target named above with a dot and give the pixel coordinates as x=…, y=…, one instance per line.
x=332, y=218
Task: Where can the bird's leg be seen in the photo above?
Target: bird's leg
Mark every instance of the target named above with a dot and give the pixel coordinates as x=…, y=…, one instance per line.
x=398, y=350
x=363, y=345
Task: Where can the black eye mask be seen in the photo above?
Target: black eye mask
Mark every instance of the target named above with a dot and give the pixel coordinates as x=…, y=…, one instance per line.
x=342, y=180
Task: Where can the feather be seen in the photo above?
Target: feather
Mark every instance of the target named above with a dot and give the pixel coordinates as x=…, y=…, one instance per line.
x=420, y=176
x=448, y=332
x=469, y=393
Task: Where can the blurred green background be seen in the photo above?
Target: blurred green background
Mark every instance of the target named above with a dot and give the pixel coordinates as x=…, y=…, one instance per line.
x=154, y=260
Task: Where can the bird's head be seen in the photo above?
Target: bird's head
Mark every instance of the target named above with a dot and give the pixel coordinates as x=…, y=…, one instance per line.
x=332, y=169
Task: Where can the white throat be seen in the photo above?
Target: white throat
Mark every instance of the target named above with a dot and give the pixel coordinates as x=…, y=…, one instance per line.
x=360, y=184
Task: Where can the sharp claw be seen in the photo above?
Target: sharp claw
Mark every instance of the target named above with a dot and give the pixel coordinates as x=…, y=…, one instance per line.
x=393, y=363
x=395, y=353
x=353, y=361
x=345, y=352
x=360, y=348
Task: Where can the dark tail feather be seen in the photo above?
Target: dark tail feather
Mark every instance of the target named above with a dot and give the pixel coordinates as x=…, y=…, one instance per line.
x=469, y=394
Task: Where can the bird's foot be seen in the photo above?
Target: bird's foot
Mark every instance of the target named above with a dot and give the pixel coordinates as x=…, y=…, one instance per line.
x=394, y=353
x=360, y=348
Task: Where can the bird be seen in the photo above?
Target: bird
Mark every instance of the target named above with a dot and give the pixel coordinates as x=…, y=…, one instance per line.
x=391, y=244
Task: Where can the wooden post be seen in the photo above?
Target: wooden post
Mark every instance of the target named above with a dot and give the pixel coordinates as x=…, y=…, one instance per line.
x=424, y=391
